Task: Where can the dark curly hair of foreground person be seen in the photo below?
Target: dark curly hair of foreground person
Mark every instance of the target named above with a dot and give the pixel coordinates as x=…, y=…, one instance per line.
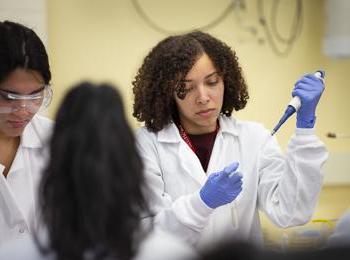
x=165, y=68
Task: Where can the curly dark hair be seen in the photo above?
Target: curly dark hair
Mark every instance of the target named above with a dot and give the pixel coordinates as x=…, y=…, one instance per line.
x=92, y=190
x=168, y=63
x=20, y=47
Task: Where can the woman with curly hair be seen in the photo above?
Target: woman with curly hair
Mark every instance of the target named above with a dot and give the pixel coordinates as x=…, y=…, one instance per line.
x=91, y=194
x=196, y=153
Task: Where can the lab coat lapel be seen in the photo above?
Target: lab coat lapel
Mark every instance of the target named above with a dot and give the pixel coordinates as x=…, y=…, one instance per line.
x=191, y=164
x=30, y=137
x=215, y=154
x=11, y=211
x=8, y=201
x=188, y=160
x=224, y=153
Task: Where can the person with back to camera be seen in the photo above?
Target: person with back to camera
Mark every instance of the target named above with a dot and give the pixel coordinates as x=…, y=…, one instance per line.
x=24, y=90
x=92, y=190
x=210, y=173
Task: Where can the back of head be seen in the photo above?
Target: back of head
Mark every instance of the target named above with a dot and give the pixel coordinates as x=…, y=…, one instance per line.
x=20, y=47
x=91, y=192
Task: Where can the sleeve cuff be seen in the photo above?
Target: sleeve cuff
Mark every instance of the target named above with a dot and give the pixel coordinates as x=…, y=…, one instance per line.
x=192, y=211
x=305, y=136
x=199, y=205
x=305, y=131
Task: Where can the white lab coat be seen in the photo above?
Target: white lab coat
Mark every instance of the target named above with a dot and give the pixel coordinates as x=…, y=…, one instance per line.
x=18, y=190
x=157, y=245
x=285, y=187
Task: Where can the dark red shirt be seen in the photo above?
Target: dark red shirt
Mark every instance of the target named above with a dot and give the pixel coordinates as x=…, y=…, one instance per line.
x=203, y=145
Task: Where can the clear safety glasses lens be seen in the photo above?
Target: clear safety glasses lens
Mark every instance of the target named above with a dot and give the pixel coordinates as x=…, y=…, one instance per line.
x=10, y=102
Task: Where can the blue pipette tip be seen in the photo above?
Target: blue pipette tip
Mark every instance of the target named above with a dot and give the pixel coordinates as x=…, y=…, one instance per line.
x=289, y=111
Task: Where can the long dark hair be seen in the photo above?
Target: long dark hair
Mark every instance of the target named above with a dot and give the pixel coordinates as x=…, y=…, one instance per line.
x=20, y=47
x=91, y=193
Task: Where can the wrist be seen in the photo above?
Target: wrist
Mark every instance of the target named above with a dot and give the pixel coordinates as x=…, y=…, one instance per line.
x=201, y=204
x=204, y=198
x=305, y=131
x=305, y=122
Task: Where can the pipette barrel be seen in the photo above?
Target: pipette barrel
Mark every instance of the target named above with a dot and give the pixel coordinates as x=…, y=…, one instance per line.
x=294, y=105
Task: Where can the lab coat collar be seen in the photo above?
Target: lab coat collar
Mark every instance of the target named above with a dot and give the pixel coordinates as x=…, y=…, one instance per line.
x=228, y=125
x=170, y=133
x=30, y=137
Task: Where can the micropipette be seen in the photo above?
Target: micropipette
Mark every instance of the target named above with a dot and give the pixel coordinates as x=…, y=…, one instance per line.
x=294, y=105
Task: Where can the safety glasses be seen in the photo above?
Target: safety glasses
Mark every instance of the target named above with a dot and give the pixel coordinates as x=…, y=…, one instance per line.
x=33, y=103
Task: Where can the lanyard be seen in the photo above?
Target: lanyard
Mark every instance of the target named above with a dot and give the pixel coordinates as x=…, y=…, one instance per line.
x=188, y=140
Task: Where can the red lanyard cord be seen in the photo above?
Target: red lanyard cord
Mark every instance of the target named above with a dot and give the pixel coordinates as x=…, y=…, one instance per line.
x=187, y=140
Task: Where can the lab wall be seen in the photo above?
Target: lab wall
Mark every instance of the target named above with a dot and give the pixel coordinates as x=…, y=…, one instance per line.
x=106, y=40
x=31, y=13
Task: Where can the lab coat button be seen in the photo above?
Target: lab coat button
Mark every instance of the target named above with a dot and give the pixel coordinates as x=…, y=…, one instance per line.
x=275, y=201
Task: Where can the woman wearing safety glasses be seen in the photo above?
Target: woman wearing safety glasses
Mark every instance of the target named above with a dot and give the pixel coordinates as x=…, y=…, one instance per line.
x=24, y=91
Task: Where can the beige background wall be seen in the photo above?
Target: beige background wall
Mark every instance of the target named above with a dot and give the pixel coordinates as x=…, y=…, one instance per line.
x=106, y=40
